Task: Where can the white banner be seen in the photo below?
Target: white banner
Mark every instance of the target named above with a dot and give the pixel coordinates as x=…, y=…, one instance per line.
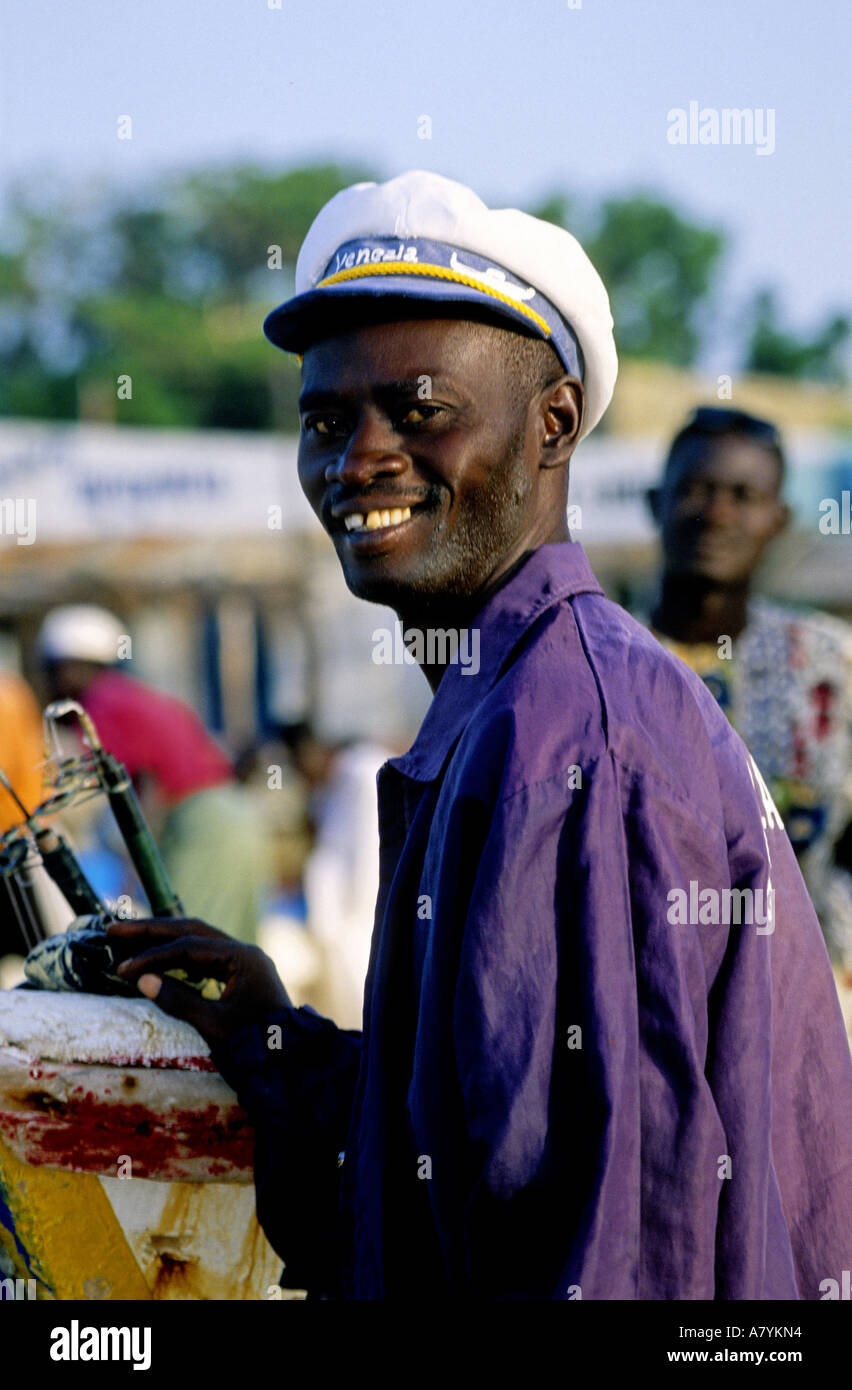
x=97, y=482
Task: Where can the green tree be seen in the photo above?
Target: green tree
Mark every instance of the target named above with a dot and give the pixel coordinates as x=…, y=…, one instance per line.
x=167, y=286
x=659, y=269
x=774, y=349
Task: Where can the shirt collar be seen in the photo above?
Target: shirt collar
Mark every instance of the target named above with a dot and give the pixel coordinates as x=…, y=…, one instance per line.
x=552, y=572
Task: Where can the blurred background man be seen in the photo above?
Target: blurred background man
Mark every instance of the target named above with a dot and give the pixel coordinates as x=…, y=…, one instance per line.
x=341, y=874
x=208, y=830
x=783, y=676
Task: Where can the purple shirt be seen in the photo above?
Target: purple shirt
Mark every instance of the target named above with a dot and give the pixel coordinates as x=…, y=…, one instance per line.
x=587, y=1069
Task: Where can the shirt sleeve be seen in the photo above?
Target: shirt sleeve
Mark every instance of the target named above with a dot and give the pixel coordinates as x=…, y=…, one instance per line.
x=615, y=1066
x=155, y=734
x=295, y=1075
x=546, y=1052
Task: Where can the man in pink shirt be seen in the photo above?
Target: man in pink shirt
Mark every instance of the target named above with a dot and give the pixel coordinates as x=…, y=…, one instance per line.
x=209, y=837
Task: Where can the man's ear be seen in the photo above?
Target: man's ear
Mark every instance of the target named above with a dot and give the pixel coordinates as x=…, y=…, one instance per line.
x=562, y=415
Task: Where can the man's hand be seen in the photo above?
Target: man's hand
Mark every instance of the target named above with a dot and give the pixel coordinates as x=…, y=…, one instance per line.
x=252, y=987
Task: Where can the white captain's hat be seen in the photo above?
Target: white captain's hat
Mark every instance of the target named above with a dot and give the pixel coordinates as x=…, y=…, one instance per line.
x=424, y=237
x=81, y=632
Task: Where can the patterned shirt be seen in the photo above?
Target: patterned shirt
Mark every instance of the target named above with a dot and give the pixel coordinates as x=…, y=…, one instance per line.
x=786, y=686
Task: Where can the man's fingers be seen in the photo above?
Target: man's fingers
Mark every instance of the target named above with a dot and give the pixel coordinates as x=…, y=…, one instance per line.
x=158, y=928
x=192, y=954
x=181, y=1001
x=164, y=929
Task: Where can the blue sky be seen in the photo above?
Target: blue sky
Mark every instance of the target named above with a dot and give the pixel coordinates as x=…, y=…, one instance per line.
x=523, y=98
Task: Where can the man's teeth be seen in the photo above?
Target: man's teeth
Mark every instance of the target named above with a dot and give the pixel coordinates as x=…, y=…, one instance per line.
x=356, y=521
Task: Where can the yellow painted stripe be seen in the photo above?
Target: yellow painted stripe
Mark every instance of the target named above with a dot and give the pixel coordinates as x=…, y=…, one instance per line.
x=65, y=1222
x=434, y=272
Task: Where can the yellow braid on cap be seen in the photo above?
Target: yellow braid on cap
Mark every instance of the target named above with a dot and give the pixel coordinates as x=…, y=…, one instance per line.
x=438, y=272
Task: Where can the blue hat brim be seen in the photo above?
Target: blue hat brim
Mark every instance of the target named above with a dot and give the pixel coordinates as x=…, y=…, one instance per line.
x=294, y=325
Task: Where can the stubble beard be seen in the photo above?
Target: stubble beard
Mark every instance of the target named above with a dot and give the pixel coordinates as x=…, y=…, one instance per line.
x=459, y=561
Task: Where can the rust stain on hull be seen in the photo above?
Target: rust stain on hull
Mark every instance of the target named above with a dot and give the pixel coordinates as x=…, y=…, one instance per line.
x=174, y=1126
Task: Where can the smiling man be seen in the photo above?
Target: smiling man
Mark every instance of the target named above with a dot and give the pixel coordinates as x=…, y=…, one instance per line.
x=562, y=1089
x=782, y=675
x=432, y=542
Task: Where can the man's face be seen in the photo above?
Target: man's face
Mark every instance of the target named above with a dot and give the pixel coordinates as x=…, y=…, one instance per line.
x=420, y=414
x=718, y=508
x=69, y=678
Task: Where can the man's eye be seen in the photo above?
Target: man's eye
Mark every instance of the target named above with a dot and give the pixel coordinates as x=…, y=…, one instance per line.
x=324, y=425
x=418, y=414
